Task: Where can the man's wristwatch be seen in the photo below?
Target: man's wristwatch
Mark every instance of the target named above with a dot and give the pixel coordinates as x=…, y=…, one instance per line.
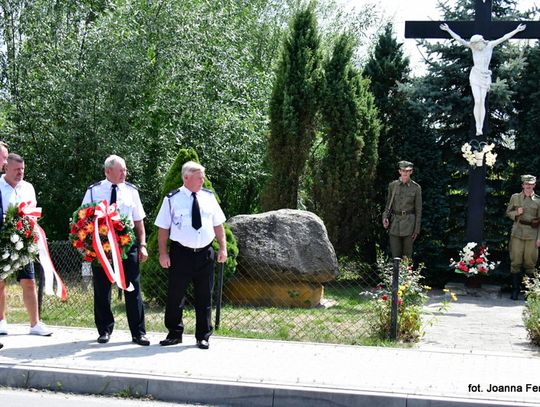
x=142, y=244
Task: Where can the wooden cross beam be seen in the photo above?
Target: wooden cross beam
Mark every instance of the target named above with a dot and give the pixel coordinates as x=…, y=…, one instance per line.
x=482, y=24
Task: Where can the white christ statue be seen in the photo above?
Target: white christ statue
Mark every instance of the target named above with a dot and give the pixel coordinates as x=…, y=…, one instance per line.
x=480, y=76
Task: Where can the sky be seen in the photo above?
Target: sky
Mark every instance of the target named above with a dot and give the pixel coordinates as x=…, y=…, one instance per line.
x=402, y=10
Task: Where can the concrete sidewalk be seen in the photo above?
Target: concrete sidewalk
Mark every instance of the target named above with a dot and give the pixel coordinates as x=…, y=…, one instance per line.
x=443, y=370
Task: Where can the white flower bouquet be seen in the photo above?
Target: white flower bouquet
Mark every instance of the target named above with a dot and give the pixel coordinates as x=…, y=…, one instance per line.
x=18, y=241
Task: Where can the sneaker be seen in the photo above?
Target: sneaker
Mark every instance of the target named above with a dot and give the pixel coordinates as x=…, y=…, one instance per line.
x=3, y=327
x=40, y=329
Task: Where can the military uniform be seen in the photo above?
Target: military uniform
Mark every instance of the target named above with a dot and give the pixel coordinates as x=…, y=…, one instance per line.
x=525, y=233
x=129, y=204
x=404, y=212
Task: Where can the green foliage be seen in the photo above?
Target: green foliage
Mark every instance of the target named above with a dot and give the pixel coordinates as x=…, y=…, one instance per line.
x=527, y=149
x=344, y=176
x=531, y=313
x=293, y=108
x=82, y=80
x=411, y=299
x=153, y=277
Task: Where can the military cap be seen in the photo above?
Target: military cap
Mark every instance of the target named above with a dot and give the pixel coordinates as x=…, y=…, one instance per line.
x=528, y=179
x=405, y=165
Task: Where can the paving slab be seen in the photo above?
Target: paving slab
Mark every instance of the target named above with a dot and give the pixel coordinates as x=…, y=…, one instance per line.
x=246, y=372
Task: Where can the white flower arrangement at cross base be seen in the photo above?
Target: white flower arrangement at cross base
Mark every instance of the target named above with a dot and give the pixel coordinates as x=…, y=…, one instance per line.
x=473, y=260
x=481, y=150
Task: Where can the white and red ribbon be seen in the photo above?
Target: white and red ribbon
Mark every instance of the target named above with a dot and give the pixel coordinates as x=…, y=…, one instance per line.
x=114, y=271
x=49, y=271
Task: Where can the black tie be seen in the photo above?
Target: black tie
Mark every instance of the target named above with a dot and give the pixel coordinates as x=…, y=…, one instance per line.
x=1, y=211
x=113, y=194
x=195, y=213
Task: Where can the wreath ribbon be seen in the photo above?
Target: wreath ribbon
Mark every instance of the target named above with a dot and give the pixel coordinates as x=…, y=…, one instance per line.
x=114, y=271
x=50, y=274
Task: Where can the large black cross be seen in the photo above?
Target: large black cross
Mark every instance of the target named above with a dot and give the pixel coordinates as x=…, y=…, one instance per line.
x=483, y=25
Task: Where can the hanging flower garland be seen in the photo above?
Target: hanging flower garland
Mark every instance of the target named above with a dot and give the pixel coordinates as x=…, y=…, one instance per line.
x=475, y=152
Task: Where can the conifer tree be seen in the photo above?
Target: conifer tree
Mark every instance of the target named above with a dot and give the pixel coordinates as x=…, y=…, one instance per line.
x=351, y=130
x=527, y=149
x=405, y=135
x=293, y=108
x=154, y=278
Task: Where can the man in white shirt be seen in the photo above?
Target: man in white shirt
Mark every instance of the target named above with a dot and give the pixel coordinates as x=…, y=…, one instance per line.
x=14, y=190
x=191, y=218
x=115, y=189
x=3, y=161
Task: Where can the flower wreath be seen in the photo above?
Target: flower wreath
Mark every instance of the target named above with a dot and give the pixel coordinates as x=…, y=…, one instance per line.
x=18, y=242
x=81, y=232
x=473, y=260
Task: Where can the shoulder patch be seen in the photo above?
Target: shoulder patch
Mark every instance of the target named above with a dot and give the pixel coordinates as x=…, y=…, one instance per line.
x=94, y=185
x=129, y=184
x=207, y=190
x=173, y=192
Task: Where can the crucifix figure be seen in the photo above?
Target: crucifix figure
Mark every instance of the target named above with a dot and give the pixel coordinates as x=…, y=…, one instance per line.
x=480, y=76
x=478, y=29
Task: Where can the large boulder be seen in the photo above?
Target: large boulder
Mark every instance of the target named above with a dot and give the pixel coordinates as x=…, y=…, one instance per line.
x=284, y=245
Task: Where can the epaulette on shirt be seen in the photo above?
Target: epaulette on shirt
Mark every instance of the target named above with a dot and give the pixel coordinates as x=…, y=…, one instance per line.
x=173, y=192
x=94, y=185
x=207, y=190
x=129, y=184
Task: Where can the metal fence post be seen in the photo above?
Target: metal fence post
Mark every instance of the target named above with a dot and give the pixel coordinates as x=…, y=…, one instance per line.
x=394, y=309
x=219, y=295
x=38, y=271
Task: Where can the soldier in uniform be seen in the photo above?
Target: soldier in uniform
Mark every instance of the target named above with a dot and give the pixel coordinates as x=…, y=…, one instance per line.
x=191, y=218
x=403, y=211
x=524, y=210
x=115, y=189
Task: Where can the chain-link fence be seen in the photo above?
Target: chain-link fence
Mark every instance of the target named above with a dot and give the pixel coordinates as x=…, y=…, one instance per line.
x=255, y=302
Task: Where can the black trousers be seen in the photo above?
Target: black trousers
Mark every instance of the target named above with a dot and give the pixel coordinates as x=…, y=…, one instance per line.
x=186, y=267
x=103, y=315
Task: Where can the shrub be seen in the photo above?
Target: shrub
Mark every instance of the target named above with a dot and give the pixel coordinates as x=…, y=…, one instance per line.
x=154, y=278
x=411, y=299
x=531, y=313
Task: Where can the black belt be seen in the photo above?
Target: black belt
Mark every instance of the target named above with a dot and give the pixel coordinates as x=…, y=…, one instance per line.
x=530, y=223
x=191, y=249
x=403, y=212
